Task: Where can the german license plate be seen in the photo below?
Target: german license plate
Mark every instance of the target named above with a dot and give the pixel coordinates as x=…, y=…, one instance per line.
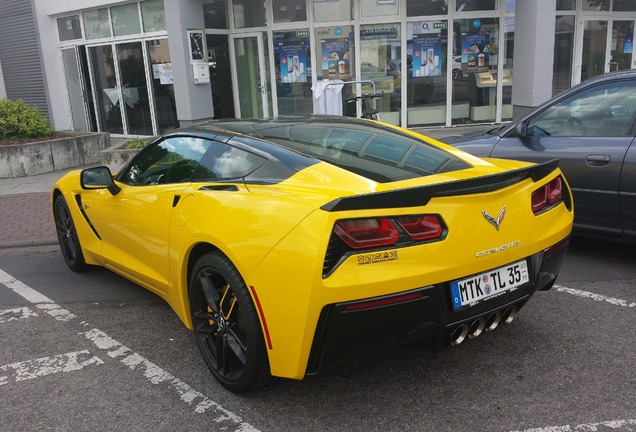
x=478, y=288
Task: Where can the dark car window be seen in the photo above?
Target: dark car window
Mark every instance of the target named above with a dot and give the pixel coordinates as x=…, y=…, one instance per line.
x=380, y=154
x=605, y=110
x=185, y=159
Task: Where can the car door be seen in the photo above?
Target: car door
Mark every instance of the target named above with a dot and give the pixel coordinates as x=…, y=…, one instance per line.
x=590, y=133
x=134, y=224
x=627, y=194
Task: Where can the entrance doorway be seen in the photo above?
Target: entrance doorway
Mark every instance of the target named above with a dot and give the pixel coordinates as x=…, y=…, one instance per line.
x=220, y=76
x=132, y=87
x=251, y=82
x=605, y=46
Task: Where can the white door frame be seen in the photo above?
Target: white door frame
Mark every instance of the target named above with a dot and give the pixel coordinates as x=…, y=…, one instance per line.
x=261, y=67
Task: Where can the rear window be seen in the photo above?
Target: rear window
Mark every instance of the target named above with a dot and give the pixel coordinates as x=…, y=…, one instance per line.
x=378, y=153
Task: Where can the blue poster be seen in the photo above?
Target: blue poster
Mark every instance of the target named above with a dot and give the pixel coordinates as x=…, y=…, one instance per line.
x=628, y=45
x=476, y=50
x=427, y=55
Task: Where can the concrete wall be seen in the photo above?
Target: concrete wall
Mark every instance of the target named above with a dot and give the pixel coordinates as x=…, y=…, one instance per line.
x=46, y=156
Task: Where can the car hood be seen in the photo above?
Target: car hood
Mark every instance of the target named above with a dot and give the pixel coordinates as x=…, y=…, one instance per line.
x=476, y=143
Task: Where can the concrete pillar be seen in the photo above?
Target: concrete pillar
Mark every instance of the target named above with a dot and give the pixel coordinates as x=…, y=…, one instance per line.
x=194, y=101
x=3, y=91
x=533, y=55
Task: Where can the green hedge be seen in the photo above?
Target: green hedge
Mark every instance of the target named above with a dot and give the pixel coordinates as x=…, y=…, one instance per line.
x=19, y=120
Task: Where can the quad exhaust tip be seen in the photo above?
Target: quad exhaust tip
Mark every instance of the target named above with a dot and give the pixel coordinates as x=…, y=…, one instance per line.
x=483, y=324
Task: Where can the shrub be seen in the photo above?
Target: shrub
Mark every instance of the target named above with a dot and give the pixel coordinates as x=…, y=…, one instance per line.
x=136, y=144
x=19, y=120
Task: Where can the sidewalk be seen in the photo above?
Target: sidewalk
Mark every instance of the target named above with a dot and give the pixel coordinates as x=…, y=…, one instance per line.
x=25, y=210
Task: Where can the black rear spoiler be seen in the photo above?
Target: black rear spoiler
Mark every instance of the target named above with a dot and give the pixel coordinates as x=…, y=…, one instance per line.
x=421, y=195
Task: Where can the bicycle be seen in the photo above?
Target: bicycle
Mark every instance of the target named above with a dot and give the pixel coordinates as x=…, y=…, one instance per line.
x=368, y=111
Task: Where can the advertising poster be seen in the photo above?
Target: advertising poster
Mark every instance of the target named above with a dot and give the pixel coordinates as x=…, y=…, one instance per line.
x=293, y=61
x=476, y=50
x=335, y=58
x=427, y=55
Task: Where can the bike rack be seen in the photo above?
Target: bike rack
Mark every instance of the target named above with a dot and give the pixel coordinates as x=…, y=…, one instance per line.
x=357, y=82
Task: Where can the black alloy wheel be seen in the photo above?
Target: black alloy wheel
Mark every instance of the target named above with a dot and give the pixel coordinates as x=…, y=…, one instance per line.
x=67, y=236
x=226, y=325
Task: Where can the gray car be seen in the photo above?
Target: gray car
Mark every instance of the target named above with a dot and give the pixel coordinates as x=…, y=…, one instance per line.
x=590, y=128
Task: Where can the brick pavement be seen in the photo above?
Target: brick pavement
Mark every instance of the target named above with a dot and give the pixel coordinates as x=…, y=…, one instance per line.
x=26, y=220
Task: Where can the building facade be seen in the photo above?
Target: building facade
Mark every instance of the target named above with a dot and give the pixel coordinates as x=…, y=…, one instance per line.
x=139, y=68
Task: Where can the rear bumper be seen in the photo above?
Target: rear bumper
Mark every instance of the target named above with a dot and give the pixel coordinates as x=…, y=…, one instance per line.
x=424, y=315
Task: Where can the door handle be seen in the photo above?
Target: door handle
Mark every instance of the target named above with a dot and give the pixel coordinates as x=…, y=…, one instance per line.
x=598, y=160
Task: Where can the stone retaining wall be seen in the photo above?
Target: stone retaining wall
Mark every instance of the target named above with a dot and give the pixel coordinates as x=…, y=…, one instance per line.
x=79, y=149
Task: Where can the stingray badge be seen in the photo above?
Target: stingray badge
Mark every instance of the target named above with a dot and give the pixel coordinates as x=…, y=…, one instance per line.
x=495, y=222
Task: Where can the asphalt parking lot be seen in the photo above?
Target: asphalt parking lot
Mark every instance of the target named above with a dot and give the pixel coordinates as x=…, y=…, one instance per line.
x=95, y=352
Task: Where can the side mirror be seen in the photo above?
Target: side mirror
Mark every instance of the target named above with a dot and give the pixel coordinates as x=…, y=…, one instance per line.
x=521, y=130
x=98, y=178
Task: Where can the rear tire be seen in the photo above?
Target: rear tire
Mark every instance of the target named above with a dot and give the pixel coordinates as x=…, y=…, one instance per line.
x=67, y=236
x=226, y=325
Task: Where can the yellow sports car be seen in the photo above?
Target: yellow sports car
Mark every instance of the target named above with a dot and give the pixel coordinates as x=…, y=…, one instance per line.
x=281, y=242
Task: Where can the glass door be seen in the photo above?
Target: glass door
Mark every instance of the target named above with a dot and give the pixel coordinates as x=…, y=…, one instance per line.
x=134, y=101
x=250, y=93
x=621, y=46
x=76, y=92
x=594, y=49
x=605, y=46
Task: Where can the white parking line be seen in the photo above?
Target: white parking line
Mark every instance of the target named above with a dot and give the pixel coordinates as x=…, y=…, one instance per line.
x=16, y=314
x=588, y=427
x=157, y=375
x=45, y=366
x=31, y=295
x=152, y=372
x=593, y=296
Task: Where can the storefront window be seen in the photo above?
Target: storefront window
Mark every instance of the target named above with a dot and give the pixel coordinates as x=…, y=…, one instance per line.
x=292, y=59
x=69, y=28
x=622, y=45
x=248, y=13
x=475, y=5
x=563, y=53
x=624, y=5
x=474, y=94
x=290, y=11
x=215, y=14
x=125, y=19
x=153, y=15
x=373, y=8
x=381, y=63
x=162, y=84
x=596, y=5
x=332, y=10
x=565, y=5
x=426, y=7
x=96, y=24
x=426, y=68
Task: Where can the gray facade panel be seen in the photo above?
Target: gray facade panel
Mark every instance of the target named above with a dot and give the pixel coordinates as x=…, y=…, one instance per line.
x=20, y=54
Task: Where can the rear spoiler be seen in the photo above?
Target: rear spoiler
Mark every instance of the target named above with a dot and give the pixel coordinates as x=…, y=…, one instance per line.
x=421, y=195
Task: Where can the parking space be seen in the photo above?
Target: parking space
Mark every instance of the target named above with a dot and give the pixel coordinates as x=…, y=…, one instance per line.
x=94, y=351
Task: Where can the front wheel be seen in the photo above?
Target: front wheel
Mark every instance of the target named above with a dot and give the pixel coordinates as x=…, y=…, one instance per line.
x=226, y=326
x=67, y=236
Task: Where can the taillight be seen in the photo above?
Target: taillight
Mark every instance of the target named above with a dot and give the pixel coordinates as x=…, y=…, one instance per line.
x=367, y=233
x=547, y=195
x=421, y=227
